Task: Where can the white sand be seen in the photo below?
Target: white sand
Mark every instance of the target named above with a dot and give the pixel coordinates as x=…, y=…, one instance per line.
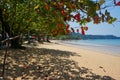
x=98, y=62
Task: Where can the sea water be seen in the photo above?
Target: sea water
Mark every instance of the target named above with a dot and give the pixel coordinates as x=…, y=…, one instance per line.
x=110, y=46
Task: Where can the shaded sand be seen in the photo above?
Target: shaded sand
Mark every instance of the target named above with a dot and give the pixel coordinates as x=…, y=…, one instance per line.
x=98, y=62
x=52, y=61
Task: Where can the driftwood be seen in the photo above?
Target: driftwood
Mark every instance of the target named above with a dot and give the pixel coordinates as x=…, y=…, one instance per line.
x=8, y=39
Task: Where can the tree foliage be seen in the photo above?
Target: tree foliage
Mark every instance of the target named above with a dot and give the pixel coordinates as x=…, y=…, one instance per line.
x=51, y=16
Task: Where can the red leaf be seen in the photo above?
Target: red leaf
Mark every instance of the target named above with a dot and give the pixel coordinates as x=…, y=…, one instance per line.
x=60, y=25
x=77, y=17
x=63, y=12
x=82, y=31
x=47, y=7
x=67, y=26
x=118, y=4
x=67, y=31
x=96, y=19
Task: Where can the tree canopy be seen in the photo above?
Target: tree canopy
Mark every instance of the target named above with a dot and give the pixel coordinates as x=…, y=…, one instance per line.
x=52, y=16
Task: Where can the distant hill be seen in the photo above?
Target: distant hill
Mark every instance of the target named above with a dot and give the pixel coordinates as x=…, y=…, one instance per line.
x=79, y=36
x=100, y=37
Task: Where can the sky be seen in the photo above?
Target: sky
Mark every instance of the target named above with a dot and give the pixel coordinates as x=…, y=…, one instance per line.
x=104, y=28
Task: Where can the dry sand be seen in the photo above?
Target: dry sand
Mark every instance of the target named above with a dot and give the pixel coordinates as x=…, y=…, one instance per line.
x=98, y=62
x=59, y=61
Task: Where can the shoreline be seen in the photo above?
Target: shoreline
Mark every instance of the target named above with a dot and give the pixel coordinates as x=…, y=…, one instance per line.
x=99, y=62
x=105, y=49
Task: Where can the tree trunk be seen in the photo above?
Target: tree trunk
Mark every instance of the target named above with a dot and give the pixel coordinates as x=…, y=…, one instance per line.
x=15, y=43
x=48, y=38
x=6, y=30
x=5, y=26
x=40, y=39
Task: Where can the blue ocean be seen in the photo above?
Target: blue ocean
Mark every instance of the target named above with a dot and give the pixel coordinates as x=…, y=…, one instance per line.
x=110, y=46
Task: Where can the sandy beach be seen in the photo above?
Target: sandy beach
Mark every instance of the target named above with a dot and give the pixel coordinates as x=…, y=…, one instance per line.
x=59, y=61
x=98, y=62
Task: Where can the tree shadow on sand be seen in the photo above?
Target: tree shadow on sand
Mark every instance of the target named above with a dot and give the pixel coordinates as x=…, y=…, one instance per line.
x=46, y=64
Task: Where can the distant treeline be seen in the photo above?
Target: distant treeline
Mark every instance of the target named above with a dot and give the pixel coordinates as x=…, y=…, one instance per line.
x=79, y=36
